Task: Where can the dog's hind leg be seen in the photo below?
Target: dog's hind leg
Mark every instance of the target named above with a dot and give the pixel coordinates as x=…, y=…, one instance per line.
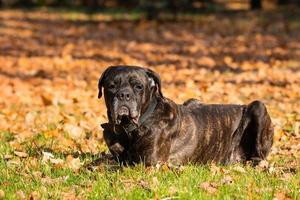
x=257, y=139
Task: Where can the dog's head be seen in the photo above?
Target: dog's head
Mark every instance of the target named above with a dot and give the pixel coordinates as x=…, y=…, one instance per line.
x=128, y=91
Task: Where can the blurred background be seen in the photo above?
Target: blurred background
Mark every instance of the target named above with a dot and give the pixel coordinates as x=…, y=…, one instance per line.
x=152, y=9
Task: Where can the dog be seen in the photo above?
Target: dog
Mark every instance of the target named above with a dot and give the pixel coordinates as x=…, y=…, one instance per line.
x=144, y=126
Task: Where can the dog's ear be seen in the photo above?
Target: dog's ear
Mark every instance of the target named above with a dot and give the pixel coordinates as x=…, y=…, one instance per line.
x=101, y=81
x=155, y=80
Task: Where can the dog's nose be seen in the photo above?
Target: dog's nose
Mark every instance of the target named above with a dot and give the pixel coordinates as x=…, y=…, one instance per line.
x=124, y=95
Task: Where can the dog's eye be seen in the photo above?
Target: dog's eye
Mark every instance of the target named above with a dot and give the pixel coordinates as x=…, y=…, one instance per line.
x=138, y=86
x=111, y=86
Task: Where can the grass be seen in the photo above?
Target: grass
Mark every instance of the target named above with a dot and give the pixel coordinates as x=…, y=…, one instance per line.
x=32, y=176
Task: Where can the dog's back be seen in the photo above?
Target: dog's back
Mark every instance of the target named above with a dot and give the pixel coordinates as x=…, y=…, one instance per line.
x=223, y=133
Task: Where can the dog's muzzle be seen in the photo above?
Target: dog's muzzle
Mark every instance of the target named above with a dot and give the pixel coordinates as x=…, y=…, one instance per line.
x=123, y=111
x=125, y=114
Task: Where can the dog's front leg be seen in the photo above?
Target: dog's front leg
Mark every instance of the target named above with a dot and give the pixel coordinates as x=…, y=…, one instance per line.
x=114, y=142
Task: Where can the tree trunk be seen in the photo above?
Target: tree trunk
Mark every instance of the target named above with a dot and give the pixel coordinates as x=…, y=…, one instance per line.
x=90, y=3
x=255, y=4
x=282, y=2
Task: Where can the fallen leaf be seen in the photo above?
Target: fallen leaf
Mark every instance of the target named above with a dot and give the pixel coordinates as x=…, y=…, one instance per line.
x=128, y=184
x=155, y=183
x=34, y=195
x=8, y=156
x=286, y=176
x=37, y=174
x=50, y=157
x=15, y=162
x=69, y=196
x=49, y=181
x=296, y=128
x=21, y=194
x=262, y=165
x=75, y=132
x=209, y=187
x=73, y=163
x=30, y=118
x=145, y=185
x=239, y=169
x=43, y=190
x=227, y=180
x=263, y=190
x=217, y=169
x=158, y=166
x=47, y=99
x=47, y=156
x=21, y=154
x=2, y=194
x=172, y=190
x=281, y=196
x=165, y=167
x=272, y=170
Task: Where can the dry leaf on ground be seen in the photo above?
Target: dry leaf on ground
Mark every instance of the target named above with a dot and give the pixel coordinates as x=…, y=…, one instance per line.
x=73, y=163
x=21, y=154
x=209, y=187
x=281, y=196
x=227, y=180
x=75, y=132
x=239, y=169
x=155, y=183
x=34, y=195
x=2, y=194
x=21, y=194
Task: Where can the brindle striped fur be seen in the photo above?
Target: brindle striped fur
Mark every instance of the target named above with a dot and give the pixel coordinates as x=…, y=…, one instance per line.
x=193, y=132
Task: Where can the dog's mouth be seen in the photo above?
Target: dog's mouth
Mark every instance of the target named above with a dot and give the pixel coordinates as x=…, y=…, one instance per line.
x=124, y=116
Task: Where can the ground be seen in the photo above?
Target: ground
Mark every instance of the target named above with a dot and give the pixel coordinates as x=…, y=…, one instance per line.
x=50, y=116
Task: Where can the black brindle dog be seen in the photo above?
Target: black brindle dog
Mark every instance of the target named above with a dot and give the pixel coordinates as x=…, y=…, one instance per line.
x=144, y=126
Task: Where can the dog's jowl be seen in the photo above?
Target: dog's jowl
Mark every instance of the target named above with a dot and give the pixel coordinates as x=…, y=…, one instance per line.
x=144, y=126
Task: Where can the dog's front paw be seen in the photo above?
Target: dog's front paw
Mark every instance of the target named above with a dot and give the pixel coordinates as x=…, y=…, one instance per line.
x=116, y=149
